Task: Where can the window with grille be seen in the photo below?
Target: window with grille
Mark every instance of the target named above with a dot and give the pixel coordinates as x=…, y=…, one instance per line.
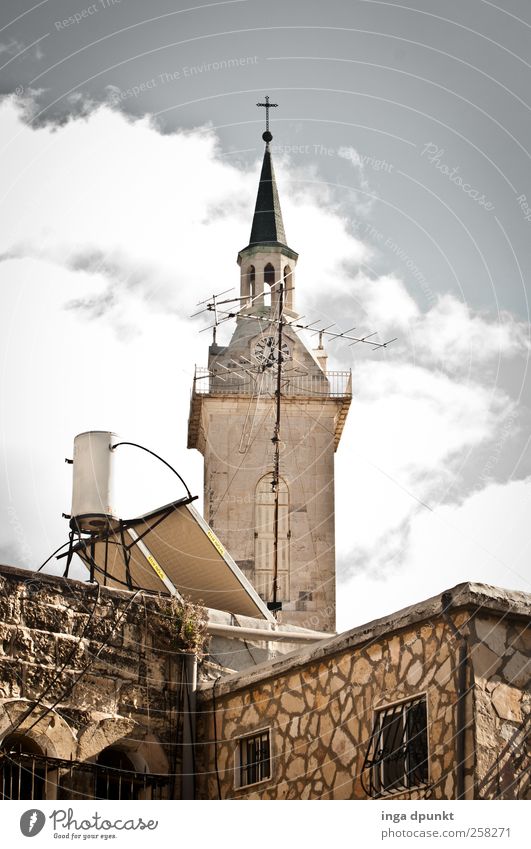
x=254, y=756
x=397, y=755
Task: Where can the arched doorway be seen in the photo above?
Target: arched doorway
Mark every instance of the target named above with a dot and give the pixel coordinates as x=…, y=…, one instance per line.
x=116, y=775
x=22, y=767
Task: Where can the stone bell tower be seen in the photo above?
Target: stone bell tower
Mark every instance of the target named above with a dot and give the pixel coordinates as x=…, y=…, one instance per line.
x=268, y=417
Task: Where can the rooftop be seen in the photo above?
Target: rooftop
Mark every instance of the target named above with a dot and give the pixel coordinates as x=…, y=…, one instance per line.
x=489, y=599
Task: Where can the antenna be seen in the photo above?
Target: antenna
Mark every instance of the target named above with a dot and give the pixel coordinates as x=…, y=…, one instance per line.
x=276, y=442
x=317, y=331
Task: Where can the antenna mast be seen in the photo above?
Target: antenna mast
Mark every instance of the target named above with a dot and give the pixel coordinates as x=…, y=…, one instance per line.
x=276, y=443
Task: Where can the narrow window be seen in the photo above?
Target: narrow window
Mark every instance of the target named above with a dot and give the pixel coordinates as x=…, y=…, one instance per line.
x=251, y=276
x=397, y=756
x=264, y=538
x=254, y=756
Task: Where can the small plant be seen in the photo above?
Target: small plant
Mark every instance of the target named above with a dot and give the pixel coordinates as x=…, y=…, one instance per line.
x=191, y=625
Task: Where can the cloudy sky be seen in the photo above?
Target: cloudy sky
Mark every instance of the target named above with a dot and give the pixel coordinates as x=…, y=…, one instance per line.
x=130, y=157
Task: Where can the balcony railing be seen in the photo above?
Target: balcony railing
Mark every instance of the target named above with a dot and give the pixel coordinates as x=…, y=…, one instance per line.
x=29, y=776
x=330, y=384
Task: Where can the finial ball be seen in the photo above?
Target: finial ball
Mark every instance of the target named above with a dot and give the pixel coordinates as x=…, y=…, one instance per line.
x=267, y=137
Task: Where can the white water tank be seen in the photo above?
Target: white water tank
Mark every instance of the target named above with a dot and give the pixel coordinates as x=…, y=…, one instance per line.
x=92, y=485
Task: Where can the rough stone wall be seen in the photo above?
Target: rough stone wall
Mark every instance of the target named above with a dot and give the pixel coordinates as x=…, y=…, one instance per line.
x=500, y=658
x=128, y=694
x=321, y=715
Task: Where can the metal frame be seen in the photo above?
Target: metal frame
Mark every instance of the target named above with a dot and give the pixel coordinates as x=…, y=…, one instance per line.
x=45, y=770
x=251, y=769
x=402, y=738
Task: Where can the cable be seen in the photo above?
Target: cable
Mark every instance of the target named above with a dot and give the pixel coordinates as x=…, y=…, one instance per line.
x=148, y=451
x=53, y=555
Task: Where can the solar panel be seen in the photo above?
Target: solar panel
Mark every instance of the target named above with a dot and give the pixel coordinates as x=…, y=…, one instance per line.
x=172, y=545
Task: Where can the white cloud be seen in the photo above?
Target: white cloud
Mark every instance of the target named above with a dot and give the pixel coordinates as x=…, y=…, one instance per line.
x=483, y=539
x=113, y=232
x=12, y=48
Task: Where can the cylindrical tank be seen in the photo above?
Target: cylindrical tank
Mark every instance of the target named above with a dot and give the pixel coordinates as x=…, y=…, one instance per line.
x=92, y=485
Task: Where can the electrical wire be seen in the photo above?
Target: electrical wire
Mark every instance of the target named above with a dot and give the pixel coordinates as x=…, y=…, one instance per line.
x=57, y=550
x=148, y=451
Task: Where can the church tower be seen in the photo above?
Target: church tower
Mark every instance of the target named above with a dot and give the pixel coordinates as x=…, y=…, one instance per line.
x=267, y=417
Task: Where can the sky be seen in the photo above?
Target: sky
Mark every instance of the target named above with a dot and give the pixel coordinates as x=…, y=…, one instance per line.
x=131, y=148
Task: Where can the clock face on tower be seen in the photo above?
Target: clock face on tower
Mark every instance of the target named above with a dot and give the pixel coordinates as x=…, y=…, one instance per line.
x=266, y=351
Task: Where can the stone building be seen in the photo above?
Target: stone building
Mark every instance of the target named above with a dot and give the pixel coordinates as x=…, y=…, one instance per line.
x=91, y=691
x=110, y=692
x=432, y=702
x=96, y=700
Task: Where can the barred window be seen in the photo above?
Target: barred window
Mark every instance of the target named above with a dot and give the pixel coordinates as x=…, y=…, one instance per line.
x=397, y=755
x=254, y=756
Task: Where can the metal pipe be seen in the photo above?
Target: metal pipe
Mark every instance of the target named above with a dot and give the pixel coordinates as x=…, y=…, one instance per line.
x=189, y=726
x=262, y=635
x=276, y=443
x=461, y=718
x=460, y=751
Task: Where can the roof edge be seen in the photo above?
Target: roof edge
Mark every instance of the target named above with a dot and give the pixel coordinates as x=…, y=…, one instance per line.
x=468, y=594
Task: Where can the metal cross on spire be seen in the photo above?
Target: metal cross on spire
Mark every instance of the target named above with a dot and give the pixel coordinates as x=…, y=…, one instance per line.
x=267, y=105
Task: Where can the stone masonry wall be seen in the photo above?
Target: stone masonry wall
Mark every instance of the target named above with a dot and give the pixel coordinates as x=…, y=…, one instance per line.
x=321, y=715
x=50, y=630
x=500, y=658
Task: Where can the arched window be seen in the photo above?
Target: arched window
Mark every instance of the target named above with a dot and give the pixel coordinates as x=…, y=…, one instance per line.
x=264, y=534
x=21, y=769
x=117, y=778
x=269, y=274
x=288, y=287
x=251, y=277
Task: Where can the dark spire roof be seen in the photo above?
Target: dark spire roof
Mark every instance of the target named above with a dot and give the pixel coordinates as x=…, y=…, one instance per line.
x=267, y=226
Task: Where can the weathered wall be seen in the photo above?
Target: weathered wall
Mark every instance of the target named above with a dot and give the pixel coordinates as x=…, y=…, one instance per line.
x=128, y=694
x=500, y=658
x=321, y=716
x=318, y=703
x=320, y=706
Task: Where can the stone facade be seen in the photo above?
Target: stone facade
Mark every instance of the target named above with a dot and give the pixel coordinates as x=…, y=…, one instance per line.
x=307, y=468
x=84, y=669
x=320, y=705
x=232, y=424
x=106, y=661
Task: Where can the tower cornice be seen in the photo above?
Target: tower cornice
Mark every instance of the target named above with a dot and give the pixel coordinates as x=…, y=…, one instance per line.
x=266, y=247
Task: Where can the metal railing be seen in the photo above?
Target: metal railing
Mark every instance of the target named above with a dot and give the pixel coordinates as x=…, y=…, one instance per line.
x=30, y=776
x=330, y=384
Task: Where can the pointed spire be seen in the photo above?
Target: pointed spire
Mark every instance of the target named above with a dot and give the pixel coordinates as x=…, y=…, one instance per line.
x=267, y=226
